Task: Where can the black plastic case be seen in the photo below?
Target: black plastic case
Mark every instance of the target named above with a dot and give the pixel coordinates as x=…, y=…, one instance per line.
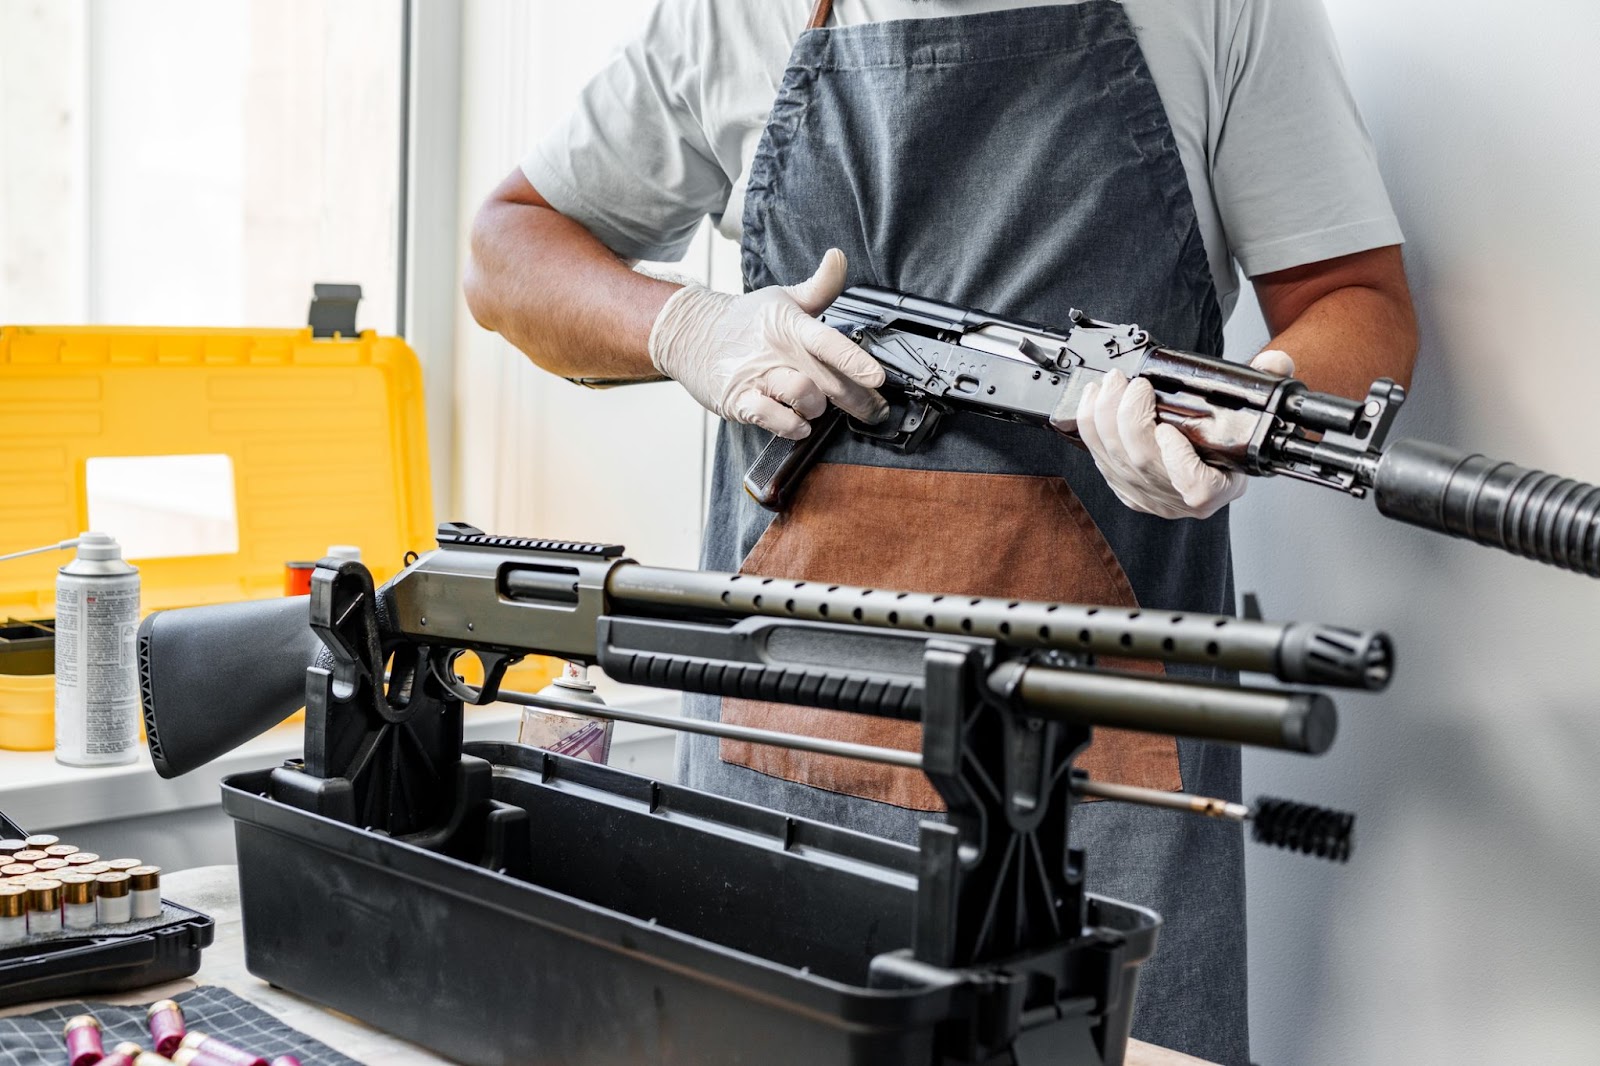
x=653, y=925
x=100, y=962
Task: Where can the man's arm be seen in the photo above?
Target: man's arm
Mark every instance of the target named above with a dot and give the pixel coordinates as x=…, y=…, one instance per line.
x=549, y=286
x=1345, y=321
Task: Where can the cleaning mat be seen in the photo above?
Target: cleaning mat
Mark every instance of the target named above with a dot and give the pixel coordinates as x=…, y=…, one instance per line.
x=36, y=1040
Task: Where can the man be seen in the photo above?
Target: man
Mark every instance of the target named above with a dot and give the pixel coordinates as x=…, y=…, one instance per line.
x=1019, y=158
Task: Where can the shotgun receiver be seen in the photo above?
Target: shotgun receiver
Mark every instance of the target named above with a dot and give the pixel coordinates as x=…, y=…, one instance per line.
x=941, y=358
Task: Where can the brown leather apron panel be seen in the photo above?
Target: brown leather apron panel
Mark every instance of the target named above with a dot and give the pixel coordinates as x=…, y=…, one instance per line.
x=1020, y=537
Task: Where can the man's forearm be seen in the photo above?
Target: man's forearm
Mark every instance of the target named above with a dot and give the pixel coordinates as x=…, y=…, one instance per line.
x=548, y=286
x=1350, y=338
x=1345, y=321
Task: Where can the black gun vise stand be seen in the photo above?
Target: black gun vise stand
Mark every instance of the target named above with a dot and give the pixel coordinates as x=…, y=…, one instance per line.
x=502, y=904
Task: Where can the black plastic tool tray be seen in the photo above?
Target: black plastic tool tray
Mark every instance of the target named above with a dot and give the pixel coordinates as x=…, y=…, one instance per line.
x=659, y=925
x=101, y=960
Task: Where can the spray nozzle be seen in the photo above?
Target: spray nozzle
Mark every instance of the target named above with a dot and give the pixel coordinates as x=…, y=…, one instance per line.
x=97, y=547
x=63, y=546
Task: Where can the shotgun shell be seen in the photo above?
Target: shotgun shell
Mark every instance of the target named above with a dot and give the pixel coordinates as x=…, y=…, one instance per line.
x=214, y=1052
x=17, y=869
x=77, y=901
x=11, y=846
x=117, y=1058
x=29, y=855
x=49, y=865
x=146, y=881
x=124, y=864
x=42, y=840
x=150, y=1058
x=188, y=1056
x=166, y=1026
x=44, y=907
x=114, y=898
x=83, y=1041
x=60, y=851
x=89, y=867
x=13, y=914
x=128, y=1049
x=285, y=1060
x=81, y=858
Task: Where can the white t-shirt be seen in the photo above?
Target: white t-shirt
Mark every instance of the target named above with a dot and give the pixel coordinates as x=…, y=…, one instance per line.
x=1280, y=167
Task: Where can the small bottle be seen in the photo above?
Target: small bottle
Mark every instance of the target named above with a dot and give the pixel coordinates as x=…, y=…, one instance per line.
x=97, y=684
x=78, y=901
x=44, y=907
x=165, y=1019
x=567, y=732
x=220, y=1053
x=113, y=897
x=83, y=1041
x=146, y=882
x=13, y=914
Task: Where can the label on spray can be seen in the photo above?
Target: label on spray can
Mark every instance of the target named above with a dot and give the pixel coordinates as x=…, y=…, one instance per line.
x=97, y=683
x=565, y=732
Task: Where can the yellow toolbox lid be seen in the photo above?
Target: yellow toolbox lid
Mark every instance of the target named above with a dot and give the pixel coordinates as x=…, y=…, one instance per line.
x=325, y=437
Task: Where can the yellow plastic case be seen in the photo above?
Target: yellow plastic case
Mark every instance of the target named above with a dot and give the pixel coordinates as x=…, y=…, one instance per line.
x=326, y=438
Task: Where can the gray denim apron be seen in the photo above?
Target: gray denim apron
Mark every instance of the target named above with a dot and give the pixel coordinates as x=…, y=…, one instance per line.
x=1018, y=161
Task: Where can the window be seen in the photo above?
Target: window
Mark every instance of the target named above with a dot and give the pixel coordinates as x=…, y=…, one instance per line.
x=197, y=162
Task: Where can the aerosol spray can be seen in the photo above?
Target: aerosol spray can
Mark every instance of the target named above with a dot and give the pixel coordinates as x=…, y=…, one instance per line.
x=564, y=732
x=97, y=683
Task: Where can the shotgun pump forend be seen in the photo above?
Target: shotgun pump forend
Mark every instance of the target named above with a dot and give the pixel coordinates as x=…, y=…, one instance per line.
x=939, y=358
x=213, y=677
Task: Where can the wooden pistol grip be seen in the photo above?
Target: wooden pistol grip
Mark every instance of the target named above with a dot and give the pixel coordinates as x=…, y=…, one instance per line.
x=776, y=472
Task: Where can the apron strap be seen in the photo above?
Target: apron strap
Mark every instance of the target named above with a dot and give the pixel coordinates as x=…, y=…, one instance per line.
x=819, y=14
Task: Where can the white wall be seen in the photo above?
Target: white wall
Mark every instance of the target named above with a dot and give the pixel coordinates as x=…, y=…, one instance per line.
x=1467, y=927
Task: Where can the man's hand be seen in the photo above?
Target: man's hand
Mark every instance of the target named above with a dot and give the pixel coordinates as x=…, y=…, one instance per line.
x=1151, y=466
x=763, y=357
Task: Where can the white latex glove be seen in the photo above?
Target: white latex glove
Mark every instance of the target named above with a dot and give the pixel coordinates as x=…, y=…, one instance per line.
x=1151, y=466
x=763, y=358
